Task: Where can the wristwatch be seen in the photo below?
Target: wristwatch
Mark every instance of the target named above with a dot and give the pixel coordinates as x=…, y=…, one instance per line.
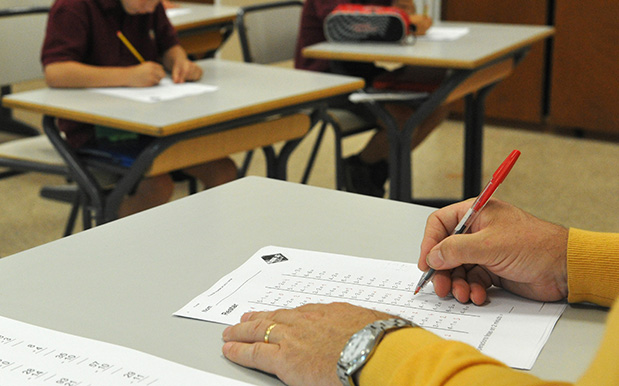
x=361, y=346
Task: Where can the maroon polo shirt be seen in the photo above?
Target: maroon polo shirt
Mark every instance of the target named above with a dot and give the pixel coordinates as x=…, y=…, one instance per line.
x=85, y=31
x=312, y=32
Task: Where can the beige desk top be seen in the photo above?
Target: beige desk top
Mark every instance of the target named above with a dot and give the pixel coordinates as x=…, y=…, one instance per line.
x=483, y=43
x=202, y=15
x=121, y=283
x=243, y=89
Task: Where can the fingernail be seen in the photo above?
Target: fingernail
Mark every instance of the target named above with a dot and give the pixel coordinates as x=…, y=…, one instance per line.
x=225, y=333
x=435, y=259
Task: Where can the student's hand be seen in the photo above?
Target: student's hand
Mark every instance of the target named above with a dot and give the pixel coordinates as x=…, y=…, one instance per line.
x=422, y=24
x=304, y=345
x=146, y=74
x=185, y=70
x=505, y=247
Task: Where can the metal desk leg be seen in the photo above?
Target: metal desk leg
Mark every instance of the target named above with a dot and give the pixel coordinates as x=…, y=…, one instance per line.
x=473, y=141
x=399, y=140
x=94, y=198
x=473, y=147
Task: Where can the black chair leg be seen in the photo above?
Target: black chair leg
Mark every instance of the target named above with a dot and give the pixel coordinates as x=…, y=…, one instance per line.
x=68, y=230
x=246, y=162
x=312, y=159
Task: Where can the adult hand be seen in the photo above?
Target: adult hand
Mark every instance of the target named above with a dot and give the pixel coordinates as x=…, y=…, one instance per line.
x=304, y=345
x=505, y=247
x=185, y=70
x=145, y=75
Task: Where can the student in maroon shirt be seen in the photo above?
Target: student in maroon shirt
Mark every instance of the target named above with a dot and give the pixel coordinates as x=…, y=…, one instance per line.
x=81, y=49
x=367, y=172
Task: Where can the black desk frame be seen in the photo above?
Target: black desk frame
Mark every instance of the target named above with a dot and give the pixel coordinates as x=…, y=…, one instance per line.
x=101, y=206
x=400, y=168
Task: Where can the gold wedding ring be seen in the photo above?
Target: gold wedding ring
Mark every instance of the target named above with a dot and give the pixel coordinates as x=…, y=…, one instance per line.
x=268, y=332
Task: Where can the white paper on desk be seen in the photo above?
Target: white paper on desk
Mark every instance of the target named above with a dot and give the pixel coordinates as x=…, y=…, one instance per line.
x=164, y=91
x=177, y=11
x=31, y=355
x=437, y=34
x=508, y=328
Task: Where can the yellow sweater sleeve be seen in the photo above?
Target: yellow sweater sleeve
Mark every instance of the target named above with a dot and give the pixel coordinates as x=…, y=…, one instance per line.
x=592, y=267
x=416, y=357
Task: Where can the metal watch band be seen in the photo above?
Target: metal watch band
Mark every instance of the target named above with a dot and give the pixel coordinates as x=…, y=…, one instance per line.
x=377, y=328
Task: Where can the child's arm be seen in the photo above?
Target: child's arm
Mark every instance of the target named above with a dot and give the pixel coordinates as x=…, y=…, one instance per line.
x=175, y=60
x=422, y=22
x=73, y=74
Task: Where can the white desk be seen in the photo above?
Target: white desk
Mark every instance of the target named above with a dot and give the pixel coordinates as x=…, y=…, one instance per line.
x=478, y=61
x=246, y=94
x=121, y=282
x=204, y=28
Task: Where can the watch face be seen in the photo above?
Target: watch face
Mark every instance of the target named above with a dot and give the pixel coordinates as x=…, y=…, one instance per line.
x=358, y=347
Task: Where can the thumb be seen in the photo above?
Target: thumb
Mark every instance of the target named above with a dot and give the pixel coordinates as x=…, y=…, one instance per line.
x=455, y=251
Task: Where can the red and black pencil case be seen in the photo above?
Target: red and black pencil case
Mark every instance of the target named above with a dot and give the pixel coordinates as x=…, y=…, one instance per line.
x=366, y=23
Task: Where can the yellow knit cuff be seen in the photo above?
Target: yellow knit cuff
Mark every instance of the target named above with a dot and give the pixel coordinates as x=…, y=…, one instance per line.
x=592, y=267
x=396, y=347
x=413, y=356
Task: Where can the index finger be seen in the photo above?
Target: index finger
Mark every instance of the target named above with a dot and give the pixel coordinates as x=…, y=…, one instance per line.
x=178, y=74
x=441, y=224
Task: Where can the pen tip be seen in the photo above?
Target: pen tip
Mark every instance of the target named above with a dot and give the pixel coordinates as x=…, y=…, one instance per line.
x=416, y=291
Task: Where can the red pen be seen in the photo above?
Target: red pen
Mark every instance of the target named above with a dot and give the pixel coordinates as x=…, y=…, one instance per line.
x=478, y=205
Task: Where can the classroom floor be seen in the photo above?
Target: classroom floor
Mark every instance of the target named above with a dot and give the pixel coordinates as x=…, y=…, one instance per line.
x=570, y=181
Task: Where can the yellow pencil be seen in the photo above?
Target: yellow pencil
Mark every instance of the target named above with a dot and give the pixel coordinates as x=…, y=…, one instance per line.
x=130, y=46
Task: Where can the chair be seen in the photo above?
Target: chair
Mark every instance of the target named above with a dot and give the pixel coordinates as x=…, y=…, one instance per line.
x=33, y=152
x=268, y=35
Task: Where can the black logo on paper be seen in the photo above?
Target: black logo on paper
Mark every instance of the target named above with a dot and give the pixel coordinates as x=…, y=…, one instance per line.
x=275, y=258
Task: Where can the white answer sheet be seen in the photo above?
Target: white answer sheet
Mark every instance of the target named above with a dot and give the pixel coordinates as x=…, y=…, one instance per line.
x=164, y=91
x=508, y=328
x=31, y=355
x=441, y=34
